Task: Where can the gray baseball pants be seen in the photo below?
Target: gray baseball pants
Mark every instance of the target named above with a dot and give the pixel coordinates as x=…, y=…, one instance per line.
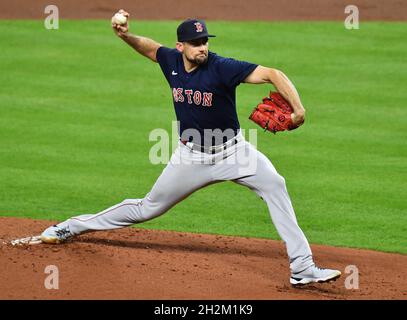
x=190, y=170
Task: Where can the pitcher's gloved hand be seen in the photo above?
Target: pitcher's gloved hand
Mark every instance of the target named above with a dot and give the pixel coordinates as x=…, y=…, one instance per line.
x=274, y=114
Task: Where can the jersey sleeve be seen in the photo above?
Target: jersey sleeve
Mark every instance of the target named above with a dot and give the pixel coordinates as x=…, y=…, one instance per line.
x=232, y=72
x=166, y=58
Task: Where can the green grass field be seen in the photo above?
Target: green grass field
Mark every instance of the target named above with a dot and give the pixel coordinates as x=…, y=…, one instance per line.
x=77, y=106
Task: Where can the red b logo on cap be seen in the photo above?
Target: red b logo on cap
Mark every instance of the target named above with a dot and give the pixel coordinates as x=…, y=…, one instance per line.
x=198, y=26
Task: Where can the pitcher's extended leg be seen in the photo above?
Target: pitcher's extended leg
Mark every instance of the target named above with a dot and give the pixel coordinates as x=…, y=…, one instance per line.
x=176, y=182
x=270, y=186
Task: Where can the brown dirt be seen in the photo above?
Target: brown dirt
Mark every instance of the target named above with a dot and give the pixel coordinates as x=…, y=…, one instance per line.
x=144, y=264
x=210, y=9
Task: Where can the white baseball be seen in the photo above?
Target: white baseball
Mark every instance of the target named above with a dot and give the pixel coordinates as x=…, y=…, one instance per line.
x=119, y=18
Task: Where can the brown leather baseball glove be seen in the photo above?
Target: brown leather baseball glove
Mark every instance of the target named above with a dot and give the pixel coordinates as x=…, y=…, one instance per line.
x=273, y=114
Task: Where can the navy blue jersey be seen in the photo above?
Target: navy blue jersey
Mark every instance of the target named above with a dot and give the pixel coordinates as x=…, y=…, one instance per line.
x=206, y=97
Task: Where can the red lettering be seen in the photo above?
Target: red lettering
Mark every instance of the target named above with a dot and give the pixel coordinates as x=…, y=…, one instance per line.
x=197, y=97
x=207, y=99
x=189, y=95
x=175, y=94
x=180, y=96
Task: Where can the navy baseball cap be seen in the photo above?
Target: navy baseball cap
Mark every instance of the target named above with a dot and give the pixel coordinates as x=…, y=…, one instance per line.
x=192, y=29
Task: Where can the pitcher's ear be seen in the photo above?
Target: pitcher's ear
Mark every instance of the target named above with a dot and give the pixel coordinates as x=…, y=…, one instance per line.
x=180, y=46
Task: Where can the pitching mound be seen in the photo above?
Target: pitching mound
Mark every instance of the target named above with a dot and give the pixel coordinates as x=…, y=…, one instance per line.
x=144, y=264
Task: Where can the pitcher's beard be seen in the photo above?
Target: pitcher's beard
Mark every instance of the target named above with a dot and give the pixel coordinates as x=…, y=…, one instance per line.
x=198, y=60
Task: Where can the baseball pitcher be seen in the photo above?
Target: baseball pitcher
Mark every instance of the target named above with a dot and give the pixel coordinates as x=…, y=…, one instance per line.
x=211, y=146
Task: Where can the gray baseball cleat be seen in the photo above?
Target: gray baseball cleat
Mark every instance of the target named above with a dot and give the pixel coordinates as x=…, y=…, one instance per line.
x=56, y=234
x=314, y=274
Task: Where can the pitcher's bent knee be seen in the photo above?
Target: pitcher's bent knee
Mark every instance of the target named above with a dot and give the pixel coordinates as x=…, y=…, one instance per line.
x=276, y=182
